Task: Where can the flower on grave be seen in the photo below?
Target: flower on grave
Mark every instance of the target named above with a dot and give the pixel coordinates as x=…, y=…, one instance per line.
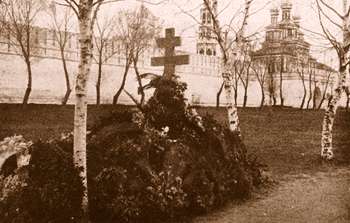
x=165, y=131
x=66, y=136
x=138, y=118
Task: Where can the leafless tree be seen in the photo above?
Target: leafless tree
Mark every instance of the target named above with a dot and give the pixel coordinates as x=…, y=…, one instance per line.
x=325, y=90
x=311, y=75
x=282, y=65
x=301, y=67
x=62, y=28
x=105, y=49
x=260, y=69
x=245, y=77
x=227, y=56
x=347, y=91
x=238, y=69
x=218, y=95
x=327, y=14
x=18, y=25
x=230, y=41
x=271, y=83
x=149, y=28
x=136, y=31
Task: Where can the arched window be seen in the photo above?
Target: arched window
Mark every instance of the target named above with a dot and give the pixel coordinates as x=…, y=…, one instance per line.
x=214, y=53
x=209, y=53
x=201, y=51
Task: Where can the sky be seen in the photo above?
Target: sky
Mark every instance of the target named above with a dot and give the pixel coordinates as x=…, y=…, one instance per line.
x=183, y=15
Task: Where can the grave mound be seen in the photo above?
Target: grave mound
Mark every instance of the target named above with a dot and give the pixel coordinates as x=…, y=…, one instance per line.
x=163, y=162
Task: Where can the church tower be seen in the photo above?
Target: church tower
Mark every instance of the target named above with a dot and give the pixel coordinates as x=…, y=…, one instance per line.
x=286, y=10
x=206, y=43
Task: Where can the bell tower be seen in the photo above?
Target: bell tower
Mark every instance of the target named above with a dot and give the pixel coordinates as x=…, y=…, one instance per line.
x=206, y=43
x=286, y=10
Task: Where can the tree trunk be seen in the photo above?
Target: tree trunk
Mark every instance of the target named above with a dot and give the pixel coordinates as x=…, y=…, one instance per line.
x=321, y=103
x=272, y=90
x=236, y=94
x=274, y=100
x=324, y=93
x=121, y=88
x=218, y=95
x=66, y=75
x=314, y=94
x=139, y=81
x=245, y=99
x=304, y=96
x=281, y=82
x=328, y=120
x=80, y=112
x=310, y=92
x=303, y=100
x=262, y=96
x=98, y=83
x=29, y=83
x=347, y=97
x=231, y=107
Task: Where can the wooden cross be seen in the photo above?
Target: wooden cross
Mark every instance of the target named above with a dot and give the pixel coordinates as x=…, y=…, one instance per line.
x=170, y=60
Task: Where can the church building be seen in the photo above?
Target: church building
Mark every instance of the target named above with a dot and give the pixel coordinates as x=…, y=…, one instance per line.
x=283, y=52
x=286, y=54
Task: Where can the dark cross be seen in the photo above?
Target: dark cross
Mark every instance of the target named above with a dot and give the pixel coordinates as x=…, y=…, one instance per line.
x=170, y=60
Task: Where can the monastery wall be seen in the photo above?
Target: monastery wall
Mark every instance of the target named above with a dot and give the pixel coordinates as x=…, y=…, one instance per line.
x=202, y=76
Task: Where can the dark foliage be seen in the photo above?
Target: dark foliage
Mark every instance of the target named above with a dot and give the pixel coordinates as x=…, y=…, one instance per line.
x=47, y=190
x=164, y=165
x=142, y=167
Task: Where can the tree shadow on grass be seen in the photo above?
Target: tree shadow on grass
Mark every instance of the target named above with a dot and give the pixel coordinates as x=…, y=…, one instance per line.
x=342, y=137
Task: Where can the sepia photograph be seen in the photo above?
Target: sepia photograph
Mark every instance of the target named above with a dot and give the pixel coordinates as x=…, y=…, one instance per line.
x=174, y=111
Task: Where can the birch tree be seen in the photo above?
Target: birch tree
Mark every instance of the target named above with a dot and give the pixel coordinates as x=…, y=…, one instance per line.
x=227, y=57
x=61, y=27
x=86, y=12
x=326, y=15
x=18, y=25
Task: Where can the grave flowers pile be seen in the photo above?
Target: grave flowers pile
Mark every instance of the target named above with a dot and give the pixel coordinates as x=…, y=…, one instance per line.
x=160, y=163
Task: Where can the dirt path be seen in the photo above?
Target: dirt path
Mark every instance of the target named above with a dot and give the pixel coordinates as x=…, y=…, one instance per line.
x=320, y=197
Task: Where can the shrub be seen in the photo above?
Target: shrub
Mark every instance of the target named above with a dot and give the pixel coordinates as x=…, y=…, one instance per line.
x=49, y=189
x=162, y=165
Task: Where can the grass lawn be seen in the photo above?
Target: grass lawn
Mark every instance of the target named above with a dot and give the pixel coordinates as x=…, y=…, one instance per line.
x=286, y=139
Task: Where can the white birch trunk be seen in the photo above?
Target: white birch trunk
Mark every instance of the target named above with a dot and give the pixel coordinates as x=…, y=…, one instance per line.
x=80, y=114
x=328, y=120
x=232, y=111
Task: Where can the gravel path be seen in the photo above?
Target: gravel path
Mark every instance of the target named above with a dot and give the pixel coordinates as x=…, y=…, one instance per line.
x=320, y=197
